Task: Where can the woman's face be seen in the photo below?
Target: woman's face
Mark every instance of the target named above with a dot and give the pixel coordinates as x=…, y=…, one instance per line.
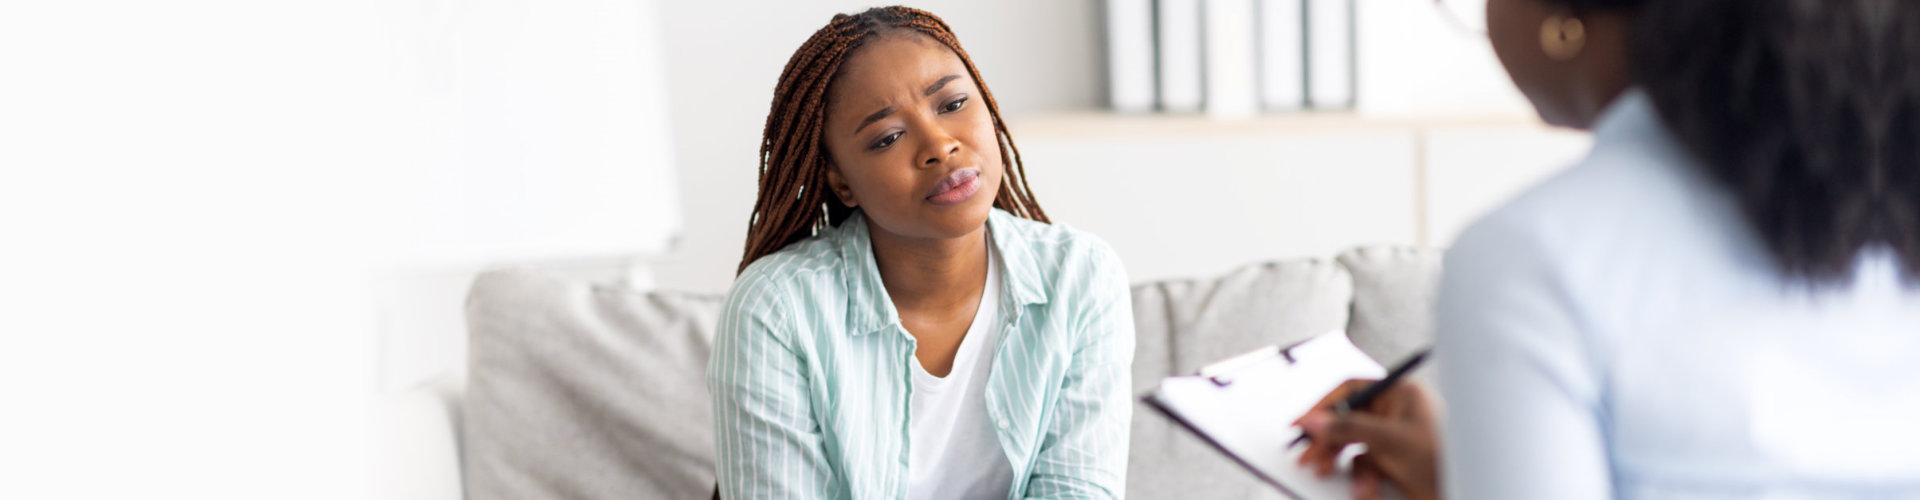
x=911, y=140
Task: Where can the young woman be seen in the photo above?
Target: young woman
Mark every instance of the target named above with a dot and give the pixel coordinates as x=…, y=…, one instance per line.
x=906, y=323
x=1720, y=301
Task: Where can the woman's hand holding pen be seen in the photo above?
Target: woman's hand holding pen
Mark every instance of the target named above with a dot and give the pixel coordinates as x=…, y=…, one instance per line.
x=1400, y=433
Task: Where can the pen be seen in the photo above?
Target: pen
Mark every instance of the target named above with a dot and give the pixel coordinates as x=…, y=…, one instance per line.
x=1360, y=400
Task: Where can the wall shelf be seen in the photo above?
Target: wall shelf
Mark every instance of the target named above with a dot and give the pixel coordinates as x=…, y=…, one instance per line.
x=1106, y=125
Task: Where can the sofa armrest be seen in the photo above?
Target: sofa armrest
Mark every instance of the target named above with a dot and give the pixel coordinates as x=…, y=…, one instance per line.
x=417, y=443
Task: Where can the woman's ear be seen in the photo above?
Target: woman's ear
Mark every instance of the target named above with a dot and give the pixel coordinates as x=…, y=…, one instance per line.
x=838, y=183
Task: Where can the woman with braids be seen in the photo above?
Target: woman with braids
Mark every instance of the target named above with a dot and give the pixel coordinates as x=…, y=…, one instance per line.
x=906, y=322
x=1722, y=300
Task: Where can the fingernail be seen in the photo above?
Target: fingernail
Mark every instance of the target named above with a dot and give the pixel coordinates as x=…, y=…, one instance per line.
x=1315, y=423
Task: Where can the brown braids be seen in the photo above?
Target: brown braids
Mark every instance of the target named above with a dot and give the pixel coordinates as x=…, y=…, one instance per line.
x=794, y=201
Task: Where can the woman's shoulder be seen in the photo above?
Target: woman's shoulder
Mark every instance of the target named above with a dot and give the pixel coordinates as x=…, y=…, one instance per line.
x=777, y=280
x=1053, y=245
x=1064, y=259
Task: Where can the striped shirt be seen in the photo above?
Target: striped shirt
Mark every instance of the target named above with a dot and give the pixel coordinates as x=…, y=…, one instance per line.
x=811, y=374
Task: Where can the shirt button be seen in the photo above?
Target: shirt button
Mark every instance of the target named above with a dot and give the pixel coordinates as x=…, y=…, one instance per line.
x=1003, y=423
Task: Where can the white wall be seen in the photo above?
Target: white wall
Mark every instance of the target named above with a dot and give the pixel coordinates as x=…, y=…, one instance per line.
x=184, y=193
x=542, y=131
x=1413, y=61
x=1473, y=170
x=542, y=138
x=1189, y=203
x=205, y=206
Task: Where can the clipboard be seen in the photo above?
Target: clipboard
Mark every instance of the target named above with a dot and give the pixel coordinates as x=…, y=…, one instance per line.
x=1241, y=407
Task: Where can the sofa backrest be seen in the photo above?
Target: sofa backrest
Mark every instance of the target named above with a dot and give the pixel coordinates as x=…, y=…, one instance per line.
x=586, y=391
x=1394, y=288
x=582, y=390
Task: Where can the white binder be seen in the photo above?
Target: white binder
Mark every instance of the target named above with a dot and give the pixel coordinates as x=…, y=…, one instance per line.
x=1179, y=57
x=1232, y=83
x=1283, y=55
x=1330, y=54
x=1130, y=55
x=1244, y=406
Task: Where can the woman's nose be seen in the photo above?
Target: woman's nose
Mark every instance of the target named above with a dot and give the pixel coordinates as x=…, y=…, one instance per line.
x=945, y=147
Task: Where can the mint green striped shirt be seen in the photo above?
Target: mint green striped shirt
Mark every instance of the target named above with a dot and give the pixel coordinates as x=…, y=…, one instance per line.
x=811, y=377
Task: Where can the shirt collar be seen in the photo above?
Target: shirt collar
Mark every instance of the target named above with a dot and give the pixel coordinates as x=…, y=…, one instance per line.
x=1632, y=120
x=869, y=309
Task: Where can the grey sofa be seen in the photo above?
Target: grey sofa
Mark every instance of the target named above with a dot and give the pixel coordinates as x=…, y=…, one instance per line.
x=585, y=391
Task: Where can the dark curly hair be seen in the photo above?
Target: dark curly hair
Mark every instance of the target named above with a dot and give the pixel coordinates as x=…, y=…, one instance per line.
x=1807, y=111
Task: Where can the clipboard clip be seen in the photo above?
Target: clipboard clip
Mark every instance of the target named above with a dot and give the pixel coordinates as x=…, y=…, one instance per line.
x=1222, y=372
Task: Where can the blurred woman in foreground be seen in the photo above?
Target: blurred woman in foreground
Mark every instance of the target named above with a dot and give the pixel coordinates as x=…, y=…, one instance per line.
x=1718, y=301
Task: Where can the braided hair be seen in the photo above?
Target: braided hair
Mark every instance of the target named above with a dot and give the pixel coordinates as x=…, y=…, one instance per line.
x=794, y=201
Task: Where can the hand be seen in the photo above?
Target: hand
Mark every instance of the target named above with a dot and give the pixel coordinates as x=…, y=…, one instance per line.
x=1398, y=429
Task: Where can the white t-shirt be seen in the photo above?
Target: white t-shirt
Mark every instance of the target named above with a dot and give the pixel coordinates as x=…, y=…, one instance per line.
x=955, y=447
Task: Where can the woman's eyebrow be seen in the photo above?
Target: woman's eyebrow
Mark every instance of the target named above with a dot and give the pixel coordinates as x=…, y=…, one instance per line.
x=883, y=112
x=938, y=84
x=876, y=116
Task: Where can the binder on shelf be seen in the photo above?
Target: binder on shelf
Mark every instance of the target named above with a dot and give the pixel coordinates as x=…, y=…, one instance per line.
x=1130, y=70
x=1231, y=59
x=1179, y=58
x=1330, y=54
x=1283, y=46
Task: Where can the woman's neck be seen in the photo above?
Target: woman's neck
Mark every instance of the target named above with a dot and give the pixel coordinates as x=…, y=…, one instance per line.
x=931, y=274
x=1602, y=98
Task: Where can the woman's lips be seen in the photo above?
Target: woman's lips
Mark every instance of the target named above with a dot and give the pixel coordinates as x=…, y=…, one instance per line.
x=957, y=187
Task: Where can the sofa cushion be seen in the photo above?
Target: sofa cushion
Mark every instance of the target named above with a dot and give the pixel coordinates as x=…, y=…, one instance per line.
x=1394, y=288
x=1183, y=325
x=586, y=391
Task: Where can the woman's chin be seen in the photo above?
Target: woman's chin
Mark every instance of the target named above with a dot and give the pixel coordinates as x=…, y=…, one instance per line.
x=935, y=221
x=961, y=220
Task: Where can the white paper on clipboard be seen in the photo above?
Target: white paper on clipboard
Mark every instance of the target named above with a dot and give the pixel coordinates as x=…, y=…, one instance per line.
x=1243, y=407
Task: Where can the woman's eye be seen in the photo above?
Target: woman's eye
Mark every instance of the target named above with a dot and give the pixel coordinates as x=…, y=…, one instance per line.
x=885, y=141
x=955, y=105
